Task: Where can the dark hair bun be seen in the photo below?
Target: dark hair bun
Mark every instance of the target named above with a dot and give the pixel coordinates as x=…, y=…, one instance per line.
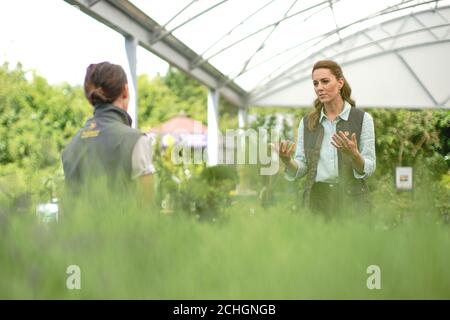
x=104, y=82
x=97, y=96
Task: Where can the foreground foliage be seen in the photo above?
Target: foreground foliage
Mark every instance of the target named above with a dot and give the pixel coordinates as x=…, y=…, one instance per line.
x=126, y=250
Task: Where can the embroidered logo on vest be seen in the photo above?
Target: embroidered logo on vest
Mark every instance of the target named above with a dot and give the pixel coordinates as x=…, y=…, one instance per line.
x=90, y=132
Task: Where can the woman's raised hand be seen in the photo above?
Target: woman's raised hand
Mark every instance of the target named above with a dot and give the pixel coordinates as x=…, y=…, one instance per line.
x=348, y=146
x=285, y=150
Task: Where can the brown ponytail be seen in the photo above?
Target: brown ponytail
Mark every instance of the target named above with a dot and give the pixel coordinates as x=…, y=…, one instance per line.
x=104, y=82
x=346, y=91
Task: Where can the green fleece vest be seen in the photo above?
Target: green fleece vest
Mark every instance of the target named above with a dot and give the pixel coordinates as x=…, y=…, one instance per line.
x=103, y=147
x=352, y=188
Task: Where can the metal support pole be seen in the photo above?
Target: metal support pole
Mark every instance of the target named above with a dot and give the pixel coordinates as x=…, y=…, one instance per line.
x=130, y=46
x=242, y=118
x=242, y=123
x=213, y=127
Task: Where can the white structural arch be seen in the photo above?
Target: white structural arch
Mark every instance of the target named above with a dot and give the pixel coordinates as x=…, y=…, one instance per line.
x=394, y=53
x=399, y=63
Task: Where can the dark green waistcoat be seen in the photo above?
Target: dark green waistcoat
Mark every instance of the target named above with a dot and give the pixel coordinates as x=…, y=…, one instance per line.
x=351, y=187
x=103, y=146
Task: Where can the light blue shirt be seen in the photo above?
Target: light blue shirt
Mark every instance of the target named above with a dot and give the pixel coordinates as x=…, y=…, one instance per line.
x=327, y=168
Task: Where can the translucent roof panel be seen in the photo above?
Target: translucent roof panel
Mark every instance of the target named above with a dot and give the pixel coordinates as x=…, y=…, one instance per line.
x=265, y=46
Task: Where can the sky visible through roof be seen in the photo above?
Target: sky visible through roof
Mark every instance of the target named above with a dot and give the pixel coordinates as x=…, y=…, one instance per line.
x=253, y=42
x=281, y=32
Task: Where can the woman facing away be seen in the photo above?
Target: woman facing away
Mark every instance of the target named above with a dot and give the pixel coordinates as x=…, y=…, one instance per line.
x=107, y=147
x=335, y=147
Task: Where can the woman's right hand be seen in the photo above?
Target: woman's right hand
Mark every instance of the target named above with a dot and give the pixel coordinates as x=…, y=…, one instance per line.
x=285, y=150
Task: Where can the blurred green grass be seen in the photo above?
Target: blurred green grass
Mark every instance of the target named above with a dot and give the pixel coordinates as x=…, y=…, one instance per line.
x=127, y=250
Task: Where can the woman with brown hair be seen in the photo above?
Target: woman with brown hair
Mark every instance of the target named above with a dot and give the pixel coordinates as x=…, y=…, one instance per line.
x=335, y=146
x=107, y=145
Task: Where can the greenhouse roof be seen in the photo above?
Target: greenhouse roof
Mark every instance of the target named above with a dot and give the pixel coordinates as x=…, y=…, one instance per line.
x=261, y=52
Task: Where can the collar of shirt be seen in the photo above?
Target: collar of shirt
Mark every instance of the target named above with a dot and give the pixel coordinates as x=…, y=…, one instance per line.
x=343, y=115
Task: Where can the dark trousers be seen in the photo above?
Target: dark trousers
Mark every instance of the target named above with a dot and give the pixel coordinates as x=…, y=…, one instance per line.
x=326, y=198
x=332, y=199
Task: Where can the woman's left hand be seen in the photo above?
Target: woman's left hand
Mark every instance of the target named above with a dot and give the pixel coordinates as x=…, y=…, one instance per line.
x=344, y=144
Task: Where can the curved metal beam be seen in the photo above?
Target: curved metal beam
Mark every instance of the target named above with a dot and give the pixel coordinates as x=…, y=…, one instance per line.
x=280, y=53
x=294, y=68
x=203, y=60
x=322, y=37
x=260, y=47
x=417, y=78
x=232, y=29
x=254, y=98
x=165, y=33
x=372, y=43
x=178, y=13
x=128, y=20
